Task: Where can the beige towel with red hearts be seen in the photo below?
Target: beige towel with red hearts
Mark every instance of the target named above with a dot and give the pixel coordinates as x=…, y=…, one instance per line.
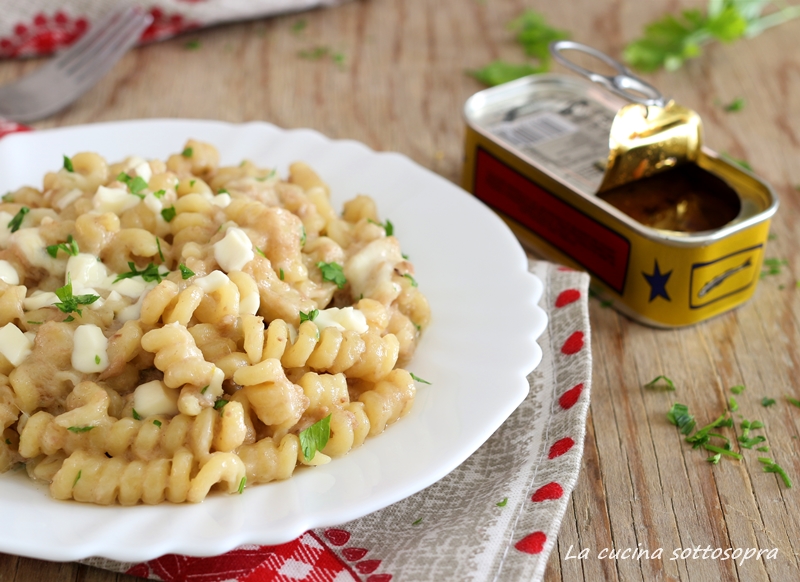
x=39, y=27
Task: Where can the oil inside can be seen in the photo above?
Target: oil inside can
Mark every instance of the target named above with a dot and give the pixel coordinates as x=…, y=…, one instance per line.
x=685, y=198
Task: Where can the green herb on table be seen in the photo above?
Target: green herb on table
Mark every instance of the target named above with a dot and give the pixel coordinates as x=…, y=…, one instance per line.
x=793, y=401
x=299, y=26
x=765, y=402
x=332, y=272
x=70, y=303
x=192, y=45
x=735, y=105
x=535, y=36
x=16, y=222
x=773, y=266
x=680, y=417
x=315, y=437
x=738, y=389
x=320, y=52
x=417, y=522
x=68, y=164
x=742, y=163
x=668, y=384
x=502, y=503
x=732, y=404
x=674, y=39
x=771, y=466
x=70, y=247
x=703, y=435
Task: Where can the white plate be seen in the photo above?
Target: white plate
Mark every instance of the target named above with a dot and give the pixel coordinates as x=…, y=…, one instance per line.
x=479, y=348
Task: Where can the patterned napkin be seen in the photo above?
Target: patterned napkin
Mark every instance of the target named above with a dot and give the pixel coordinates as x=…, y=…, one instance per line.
x=40, y=27
x=495, y=517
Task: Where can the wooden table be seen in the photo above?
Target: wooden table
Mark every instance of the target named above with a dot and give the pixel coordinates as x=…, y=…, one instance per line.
x=401, y=86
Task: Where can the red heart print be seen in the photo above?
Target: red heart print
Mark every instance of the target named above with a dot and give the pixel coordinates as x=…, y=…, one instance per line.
x=368, y=566
x=573, y=344
x=379, y=578
x=560, y=447
x=570, y=397
x=567, y=297
x=545, y=492
x=338, y=537
x=354, y=554
x=532, y=543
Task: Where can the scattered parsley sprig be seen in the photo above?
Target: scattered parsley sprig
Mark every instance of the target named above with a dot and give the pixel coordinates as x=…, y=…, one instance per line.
x=70, y=247
x=333, y=272
x=70, y=303
x=315, y=437
x=150, y=273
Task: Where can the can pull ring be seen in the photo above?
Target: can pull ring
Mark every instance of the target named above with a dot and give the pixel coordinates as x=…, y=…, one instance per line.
x=624, y=83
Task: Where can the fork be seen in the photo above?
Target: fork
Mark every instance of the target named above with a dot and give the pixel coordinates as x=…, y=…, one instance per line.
x=61, y=81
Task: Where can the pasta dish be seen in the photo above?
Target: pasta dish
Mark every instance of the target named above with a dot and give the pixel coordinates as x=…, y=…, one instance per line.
x=171, y=327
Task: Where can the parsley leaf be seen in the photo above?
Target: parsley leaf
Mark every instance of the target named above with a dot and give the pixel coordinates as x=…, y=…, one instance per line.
x=502, y=503
x=135, y=185
x=69, y=303
x=737, y=389
x=160, y=252
x=68, y=164
x=136, y=415
x=771, y=466
x=168, y=213
x=242, y=483
x=310, y=316
x=79, y=429
x=16, y=222
x=680, y=417
x=315, y=437
x=793, y=401
x=187, y=153
x=332, y=272
x=388, y=227
x=735, y=105
x=70, y=247
x=299, y=26
x=280, y=274
x=150, y=273
x=670, y=385
x=220, y=404
x=417, y=522
x=418, y=379
x=97, y=359
x=157, y=423
x=186, y=272
x=672, y=40
x=159, y=193
x=77, y=478
x=767, y=401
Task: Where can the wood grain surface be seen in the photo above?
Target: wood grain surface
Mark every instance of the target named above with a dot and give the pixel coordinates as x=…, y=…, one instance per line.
x=400, y=87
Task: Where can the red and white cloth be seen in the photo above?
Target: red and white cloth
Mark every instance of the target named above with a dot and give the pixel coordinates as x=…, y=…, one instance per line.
x=39, y=27
x=454, y=529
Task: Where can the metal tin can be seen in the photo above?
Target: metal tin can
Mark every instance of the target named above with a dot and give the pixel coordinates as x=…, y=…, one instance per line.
x=537, y=150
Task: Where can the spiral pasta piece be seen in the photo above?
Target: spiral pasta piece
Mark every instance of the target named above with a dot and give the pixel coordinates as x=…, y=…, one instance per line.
x=177, y=356
x=267, y=460
x=388, y=400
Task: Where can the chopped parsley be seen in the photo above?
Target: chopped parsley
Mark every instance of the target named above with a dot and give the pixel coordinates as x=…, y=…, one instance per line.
x=35, y=322
x=157, y=423
x=743, y=163
x=315, y=437
x=669, y=384
x=79, y=429
x=203, y=391
x=168, y=213
x=186, y=272
x=68, y=164
x=417, y=522
x=150, y=273
x=160, y=193
x=16, y=222
x=703, y=435
x=136, y=415
x=332, y=272
x=136, y=185
x=242, y=483
x=70, y=247
x=69, y=303
x=280, y=274
x=77, y=478
x=732, y=404
x=260, y=252
x=191, y=182
x=160, y=252
x=771, y=466
x=299, y=26
x=187, y=153
x=735, y=105
x=502, y=503
x=737, y=389
x=388, y=227
x=773, y=266
x=8, y=197
x=789, y=399
x=310, y=316
x=767, y=401
x=418, y=379
x=303, y=237
x=680, y=417
x=410, y=278
x=223, y=191
x=97, y=359
x=192, y=45
x=220, y=404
